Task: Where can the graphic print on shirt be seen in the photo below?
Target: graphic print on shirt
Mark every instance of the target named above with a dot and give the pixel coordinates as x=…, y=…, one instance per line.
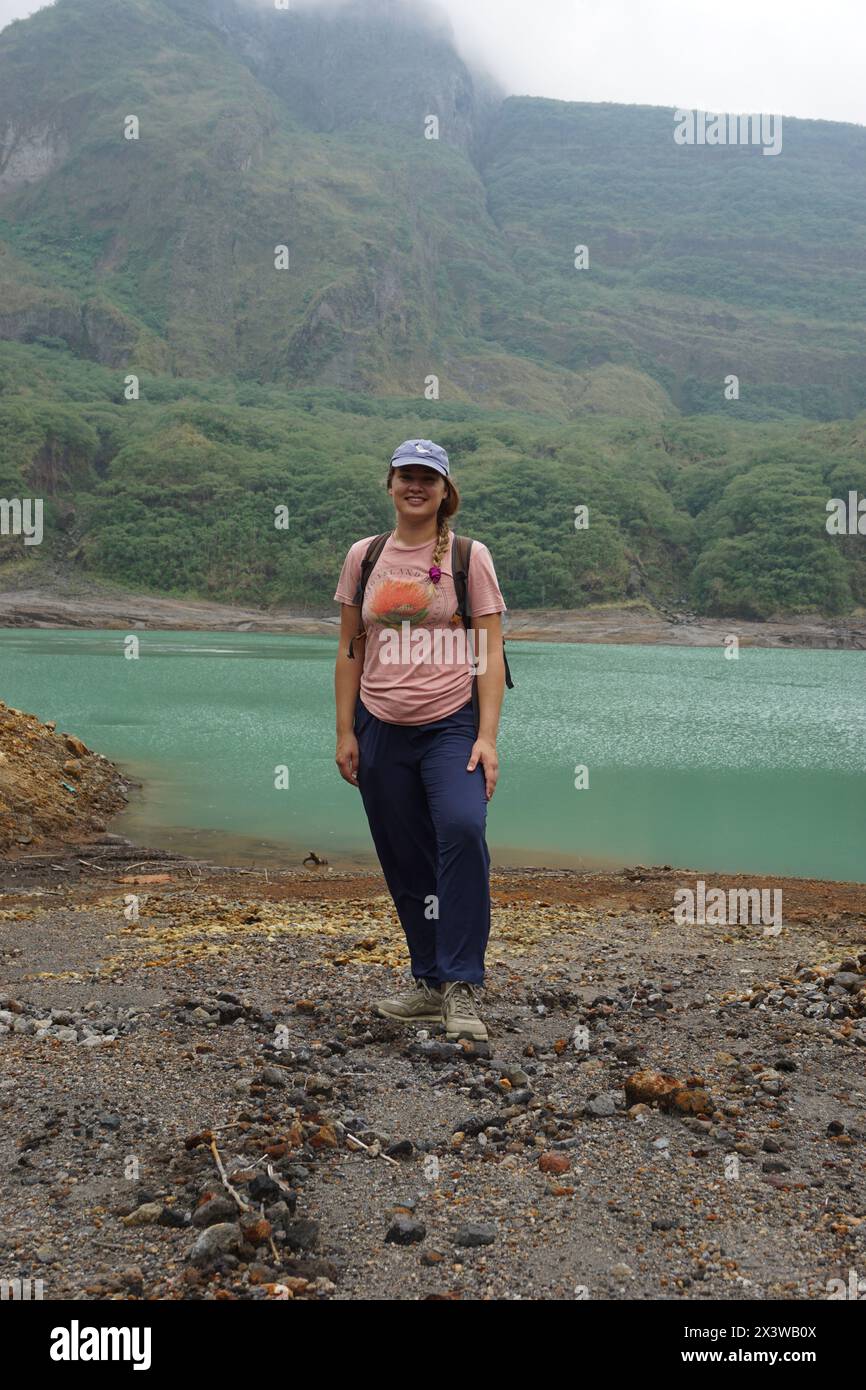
x=405, y=593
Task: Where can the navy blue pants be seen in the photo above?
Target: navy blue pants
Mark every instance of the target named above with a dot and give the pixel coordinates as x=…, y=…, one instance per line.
x=428, y=818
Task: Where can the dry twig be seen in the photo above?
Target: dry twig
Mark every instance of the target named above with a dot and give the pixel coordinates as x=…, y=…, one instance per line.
x=244, y=1206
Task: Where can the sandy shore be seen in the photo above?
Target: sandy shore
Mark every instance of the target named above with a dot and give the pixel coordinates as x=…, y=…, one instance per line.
x=84, y=606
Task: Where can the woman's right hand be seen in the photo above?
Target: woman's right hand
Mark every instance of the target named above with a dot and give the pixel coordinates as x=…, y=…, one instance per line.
x=348, y=758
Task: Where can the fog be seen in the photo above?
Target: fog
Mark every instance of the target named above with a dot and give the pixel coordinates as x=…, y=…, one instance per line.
x=789, y=57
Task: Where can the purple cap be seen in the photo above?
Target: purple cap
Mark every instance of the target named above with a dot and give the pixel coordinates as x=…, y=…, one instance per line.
x=421, y=451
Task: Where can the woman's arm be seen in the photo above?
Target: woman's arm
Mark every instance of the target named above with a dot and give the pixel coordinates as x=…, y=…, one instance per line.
x=347, y=684
x=490, y=675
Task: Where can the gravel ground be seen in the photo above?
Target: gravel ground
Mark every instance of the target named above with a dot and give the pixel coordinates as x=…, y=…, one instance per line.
x=231, y=1024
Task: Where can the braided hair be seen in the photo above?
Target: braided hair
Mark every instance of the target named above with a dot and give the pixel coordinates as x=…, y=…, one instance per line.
x=443, y=539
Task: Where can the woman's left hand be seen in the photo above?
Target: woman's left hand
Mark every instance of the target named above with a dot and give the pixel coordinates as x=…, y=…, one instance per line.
x=484, y=751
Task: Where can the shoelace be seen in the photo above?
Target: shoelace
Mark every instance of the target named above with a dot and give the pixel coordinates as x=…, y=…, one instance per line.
x=465, y=1004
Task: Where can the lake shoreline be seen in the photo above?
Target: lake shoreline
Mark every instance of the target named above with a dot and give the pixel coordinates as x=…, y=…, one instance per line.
x=639, y=887
x=86, y=606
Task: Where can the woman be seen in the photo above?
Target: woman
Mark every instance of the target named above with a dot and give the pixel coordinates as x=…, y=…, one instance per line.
x=410, y=744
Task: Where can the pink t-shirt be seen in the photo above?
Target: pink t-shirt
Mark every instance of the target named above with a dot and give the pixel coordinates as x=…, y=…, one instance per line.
x=418, y=660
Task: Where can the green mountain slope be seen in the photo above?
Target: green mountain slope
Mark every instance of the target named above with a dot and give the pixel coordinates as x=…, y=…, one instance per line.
x=703, y=261
x=408, y=256
x=411, y=259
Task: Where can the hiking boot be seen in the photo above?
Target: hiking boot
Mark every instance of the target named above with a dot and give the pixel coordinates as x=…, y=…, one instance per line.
x=421, y=1004
x=460, y=1013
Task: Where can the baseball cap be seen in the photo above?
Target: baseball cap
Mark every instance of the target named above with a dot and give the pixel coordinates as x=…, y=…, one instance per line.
x=421, y=451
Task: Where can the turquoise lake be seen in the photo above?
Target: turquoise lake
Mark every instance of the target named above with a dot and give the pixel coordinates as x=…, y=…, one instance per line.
x=754, y=765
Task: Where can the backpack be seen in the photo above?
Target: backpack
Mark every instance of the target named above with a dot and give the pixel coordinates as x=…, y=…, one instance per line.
x=461, y=549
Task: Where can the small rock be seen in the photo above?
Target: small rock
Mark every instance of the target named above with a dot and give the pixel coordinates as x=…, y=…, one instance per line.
x=174, y=1217
x=845, y=979
x=145, y=1215
x=272, y=1076
x=215, y=1211
x=554, y=1163
x=475, y=1234
x=516, y=1075
x=222, y=1239
x=402, y=1148
x=319, y=1085
x=405, y=1230
x=602, y=1107
x=301, y=1234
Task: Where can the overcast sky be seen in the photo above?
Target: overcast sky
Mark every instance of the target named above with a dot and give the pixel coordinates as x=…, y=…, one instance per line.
x=791, y=57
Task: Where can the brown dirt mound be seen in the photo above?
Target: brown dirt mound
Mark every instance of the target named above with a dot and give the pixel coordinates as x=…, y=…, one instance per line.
x=53, y=789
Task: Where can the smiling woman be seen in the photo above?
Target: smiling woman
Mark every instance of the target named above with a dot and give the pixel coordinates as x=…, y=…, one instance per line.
x=411, y=745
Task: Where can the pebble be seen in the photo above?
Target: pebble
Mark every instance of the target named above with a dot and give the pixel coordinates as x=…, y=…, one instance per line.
x=402, y=1148
x=405, y=1230
x=146, y=1215
x=602, y=1107
x=475, y=1234
x=554, y=1163
x=319, y=1085
x=848, y=981
x=301, y=1234
x=272, y=1076
x=280, y=1213
x=216, y=1211
x=225, y=1238
x=174, y=1217
x=516, y=1075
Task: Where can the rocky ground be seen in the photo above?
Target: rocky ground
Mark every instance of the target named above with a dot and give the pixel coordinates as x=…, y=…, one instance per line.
x=198, y=1101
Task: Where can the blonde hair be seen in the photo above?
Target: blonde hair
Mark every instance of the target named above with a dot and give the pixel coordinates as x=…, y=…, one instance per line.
x=447, y=507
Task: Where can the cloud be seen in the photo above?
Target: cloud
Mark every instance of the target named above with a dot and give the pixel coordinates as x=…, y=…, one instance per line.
x=776, y=56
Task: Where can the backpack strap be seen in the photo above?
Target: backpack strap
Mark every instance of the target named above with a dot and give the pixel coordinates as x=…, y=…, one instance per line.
x=461, y=550
x=374, y=550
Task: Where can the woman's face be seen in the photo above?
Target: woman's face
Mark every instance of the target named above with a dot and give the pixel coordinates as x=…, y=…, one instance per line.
x=417, y=491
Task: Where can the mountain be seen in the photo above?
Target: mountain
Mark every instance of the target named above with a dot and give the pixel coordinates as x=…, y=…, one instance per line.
x=412, y=259
x=408, y=256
